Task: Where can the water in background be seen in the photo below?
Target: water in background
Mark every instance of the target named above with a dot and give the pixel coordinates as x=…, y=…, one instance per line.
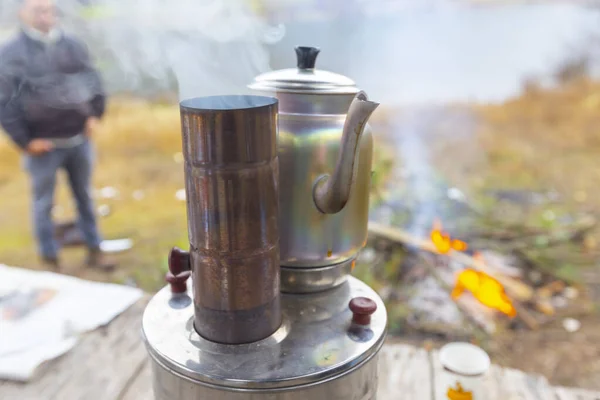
x=444, y=54
x=400, y=51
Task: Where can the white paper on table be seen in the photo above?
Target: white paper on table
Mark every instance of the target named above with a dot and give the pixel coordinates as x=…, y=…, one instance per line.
x=49, y=329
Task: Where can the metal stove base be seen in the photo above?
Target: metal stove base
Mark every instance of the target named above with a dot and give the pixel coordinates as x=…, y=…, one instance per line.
x=357, y=384
x=324, y=350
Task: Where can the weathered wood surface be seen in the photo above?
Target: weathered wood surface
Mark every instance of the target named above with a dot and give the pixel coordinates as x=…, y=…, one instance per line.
x=575, y=394
x=503, y=384
x=141, y=388
x=111, y=364
x=404, y=373
x=101, y=366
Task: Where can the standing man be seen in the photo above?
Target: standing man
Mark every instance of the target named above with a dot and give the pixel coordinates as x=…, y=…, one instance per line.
x=51, y=100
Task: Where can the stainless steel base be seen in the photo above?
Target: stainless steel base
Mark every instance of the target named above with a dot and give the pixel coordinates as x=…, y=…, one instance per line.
x=320, y=352
x=313, y=280
x=357, y=384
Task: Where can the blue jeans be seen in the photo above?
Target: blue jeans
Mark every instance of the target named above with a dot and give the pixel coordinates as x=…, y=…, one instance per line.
x=77, y=163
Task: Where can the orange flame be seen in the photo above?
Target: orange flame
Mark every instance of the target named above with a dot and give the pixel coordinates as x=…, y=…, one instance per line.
x=442, y=241
x=487, y=290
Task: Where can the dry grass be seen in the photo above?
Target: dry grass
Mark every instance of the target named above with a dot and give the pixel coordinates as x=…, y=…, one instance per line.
x=135, y=151
x=545, y=139
x=542, y=139
x=554, y=135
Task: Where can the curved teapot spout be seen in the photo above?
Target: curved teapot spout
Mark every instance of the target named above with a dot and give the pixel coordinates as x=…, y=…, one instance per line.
x=331, y=193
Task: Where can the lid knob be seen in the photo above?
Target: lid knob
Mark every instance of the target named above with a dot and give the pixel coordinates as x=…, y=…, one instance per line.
x=362, y=308
x=307, y=57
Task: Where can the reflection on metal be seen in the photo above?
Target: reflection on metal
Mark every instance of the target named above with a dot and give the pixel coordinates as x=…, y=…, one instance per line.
x=314, y=354
x=252, y=195
x=325, y=157
x=311, y=280
x=232, y=177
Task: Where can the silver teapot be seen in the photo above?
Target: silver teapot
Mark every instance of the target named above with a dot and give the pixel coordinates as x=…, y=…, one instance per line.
x=325, y=151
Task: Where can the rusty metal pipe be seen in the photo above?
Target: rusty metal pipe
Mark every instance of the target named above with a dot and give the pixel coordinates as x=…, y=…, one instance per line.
x=232, y=179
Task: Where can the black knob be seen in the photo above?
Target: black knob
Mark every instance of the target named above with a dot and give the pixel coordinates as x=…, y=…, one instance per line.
x=307, y=56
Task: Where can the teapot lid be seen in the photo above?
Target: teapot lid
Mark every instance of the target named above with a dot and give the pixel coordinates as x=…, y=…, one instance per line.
x=305, y=78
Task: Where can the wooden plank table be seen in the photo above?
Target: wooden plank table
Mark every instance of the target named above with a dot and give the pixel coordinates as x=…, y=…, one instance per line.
x=111, y=364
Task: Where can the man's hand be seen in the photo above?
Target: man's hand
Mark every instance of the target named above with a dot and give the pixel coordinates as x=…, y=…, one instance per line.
x=39, y=146
x=91, y=126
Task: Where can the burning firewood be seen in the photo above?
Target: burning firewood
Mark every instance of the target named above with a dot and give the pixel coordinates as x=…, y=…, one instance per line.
x=442, y=241
x=486, y=289
x=465, y=305
x=551, y=289
x=513, y=289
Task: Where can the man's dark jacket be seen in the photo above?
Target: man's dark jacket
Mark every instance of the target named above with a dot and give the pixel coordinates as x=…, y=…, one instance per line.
x=47, y=91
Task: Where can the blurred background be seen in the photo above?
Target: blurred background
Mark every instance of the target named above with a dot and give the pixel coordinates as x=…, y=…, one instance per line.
x=489, y=124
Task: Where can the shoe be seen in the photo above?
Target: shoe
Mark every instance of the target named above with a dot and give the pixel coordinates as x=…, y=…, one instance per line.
x=97, y=259
x=51, y=263
x=68, y=234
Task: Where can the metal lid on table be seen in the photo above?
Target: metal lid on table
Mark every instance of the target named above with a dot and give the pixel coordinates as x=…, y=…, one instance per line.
x=305, y=78
x=323, y=336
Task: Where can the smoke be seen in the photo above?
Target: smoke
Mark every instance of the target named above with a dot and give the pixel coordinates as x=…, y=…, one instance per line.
x=418, y=170
x=431, y=54
x=420, y=187
x=205, y=47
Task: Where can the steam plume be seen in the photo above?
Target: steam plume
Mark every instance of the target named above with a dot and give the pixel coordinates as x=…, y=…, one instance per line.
x=208, y=47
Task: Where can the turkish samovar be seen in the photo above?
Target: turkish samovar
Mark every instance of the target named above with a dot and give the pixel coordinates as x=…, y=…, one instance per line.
x=277, y=188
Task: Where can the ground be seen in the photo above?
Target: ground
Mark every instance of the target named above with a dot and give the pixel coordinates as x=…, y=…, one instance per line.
x=136, y=150
x=543, y=140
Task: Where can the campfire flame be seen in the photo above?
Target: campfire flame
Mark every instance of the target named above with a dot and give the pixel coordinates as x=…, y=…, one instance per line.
x=442, y=240
x=487, y=290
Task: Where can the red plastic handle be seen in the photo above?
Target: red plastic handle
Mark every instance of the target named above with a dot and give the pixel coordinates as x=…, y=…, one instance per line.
x=179, y=270
x=362, y=308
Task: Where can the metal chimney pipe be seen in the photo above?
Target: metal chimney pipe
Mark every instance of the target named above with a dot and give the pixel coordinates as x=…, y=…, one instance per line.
x=232, y=179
